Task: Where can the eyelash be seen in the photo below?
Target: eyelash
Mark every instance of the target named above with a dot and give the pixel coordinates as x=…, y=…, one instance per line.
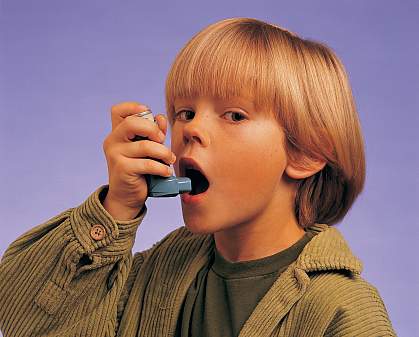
x=233, y=112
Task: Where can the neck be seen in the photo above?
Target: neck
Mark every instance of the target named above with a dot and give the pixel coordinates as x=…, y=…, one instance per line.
x=264, y=236
x=254, y=244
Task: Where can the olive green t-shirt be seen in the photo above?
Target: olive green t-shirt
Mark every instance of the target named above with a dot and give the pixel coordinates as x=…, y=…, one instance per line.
x=224, y=293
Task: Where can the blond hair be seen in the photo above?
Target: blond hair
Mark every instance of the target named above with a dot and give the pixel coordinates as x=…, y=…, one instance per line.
x=303, y=83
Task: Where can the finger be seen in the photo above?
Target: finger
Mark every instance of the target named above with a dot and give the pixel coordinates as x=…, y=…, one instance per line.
x=124, y=109
x=147, y=166
x=148, y=149
x=136, y=126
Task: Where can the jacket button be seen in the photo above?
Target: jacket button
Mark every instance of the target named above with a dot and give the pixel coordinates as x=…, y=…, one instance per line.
x=97, y=232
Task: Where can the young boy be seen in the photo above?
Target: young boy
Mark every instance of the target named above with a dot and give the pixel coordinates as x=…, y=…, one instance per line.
x=268, y=120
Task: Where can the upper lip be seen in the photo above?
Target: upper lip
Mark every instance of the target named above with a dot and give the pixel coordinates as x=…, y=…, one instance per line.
x=188, y=162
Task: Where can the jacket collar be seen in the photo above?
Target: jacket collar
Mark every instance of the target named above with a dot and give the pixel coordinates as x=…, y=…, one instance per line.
x=328, y=250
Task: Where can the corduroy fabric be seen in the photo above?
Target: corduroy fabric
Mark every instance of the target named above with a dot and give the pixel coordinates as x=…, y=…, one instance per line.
x=55, y=280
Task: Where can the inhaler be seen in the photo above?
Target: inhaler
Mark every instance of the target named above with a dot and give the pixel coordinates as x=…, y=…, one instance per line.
x=163, y=186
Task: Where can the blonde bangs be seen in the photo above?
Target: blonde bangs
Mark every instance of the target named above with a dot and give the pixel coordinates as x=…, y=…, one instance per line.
x=224, y=63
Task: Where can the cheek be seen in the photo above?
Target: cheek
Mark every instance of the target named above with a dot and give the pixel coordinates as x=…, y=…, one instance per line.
x=253, y=167
x=174, y=140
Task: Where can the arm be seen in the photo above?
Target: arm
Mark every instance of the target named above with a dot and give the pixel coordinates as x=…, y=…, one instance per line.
x=59, y=279
x=364, y=315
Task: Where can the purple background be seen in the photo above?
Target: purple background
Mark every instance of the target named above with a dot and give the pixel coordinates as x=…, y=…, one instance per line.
x=62, y=66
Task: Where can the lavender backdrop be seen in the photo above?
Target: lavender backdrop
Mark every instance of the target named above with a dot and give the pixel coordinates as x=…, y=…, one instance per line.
x=63, y=64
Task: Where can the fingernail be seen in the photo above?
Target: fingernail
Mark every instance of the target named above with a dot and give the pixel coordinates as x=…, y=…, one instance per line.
x=161, y=135
x=173, y=158
x=170, y=170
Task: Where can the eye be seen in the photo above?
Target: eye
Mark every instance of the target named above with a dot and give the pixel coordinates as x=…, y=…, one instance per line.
x=186, y=112
x=237, y=116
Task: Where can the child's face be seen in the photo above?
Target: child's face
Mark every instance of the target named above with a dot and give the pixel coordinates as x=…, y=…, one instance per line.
x=241, y=152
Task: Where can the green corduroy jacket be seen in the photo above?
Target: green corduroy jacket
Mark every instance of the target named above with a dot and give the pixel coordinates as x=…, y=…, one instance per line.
x=57, y=280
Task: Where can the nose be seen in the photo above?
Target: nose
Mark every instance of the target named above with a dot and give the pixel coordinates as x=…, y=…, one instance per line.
x=195, y=131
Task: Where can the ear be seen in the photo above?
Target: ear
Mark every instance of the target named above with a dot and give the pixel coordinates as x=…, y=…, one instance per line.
x=306, y=168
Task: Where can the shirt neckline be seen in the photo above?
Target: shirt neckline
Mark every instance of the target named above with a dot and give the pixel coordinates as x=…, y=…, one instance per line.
x=260, y=267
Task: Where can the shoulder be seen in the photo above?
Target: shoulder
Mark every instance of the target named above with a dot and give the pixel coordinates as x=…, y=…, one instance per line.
x=335, y=289
x=334, y=271
x=350, y=302
x=341, y=287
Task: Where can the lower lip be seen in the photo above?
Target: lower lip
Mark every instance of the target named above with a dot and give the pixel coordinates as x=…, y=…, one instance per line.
x=192, y=199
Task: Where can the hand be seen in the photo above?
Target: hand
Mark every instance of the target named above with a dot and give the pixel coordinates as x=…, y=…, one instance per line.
x=128, y=161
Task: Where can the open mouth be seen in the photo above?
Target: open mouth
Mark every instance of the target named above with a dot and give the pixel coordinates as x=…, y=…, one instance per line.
x=199, y=182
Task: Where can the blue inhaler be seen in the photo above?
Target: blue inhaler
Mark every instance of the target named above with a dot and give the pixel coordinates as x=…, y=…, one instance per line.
x=163, y=186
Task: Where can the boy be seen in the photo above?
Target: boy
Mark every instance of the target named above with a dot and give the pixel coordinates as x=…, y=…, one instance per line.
x=265, y=124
